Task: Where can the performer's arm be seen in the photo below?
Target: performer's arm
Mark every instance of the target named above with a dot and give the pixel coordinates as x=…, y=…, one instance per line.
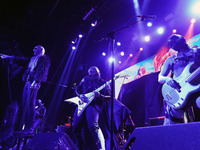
x=163, y=75
x=78, y=89
x=4, y=56
x=22, y=61
x=105, y=94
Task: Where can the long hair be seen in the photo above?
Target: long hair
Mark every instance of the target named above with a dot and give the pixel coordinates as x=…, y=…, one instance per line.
x=178, y=43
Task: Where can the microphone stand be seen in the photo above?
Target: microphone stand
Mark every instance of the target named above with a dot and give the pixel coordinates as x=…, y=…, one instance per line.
x=111, y=35
x=57, y=84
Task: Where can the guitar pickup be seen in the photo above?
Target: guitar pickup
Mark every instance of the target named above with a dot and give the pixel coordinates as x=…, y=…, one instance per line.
x=174, y=85
x=168, y=97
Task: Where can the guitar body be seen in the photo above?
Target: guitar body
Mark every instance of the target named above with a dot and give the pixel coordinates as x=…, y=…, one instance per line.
x=81, y=104
x=178, y=98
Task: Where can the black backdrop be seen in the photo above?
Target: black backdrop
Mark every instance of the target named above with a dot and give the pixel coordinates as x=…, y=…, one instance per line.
x=143, y=97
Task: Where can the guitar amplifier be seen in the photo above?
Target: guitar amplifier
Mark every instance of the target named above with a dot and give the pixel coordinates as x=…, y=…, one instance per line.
x=183, y=136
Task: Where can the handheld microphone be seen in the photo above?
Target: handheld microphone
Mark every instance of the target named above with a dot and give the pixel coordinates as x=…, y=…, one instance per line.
x=151, y=17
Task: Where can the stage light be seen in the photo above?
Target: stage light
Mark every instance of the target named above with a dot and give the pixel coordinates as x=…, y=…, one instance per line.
x=104, y=54
x=120, y=62
x=93, y=24
x=193, y=20
x=131, y=55
x=195, y=8
x=88, y=14
x=73, y=47
x=160, y=30
x=147, y=38
x=141, y=49
x=149, y=24
x=111, y=59
x=118, y=43
x=122, y=53
x=80, y=35
x=74, y=41
x=174, y=31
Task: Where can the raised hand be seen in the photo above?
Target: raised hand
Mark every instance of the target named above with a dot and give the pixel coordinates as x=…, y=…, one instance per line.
x=4, y=56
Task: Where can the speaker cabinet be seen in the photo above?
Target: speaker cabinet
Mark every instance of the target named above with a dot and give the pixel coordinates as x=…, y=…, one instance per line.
x=169, y=137
x=50, y=141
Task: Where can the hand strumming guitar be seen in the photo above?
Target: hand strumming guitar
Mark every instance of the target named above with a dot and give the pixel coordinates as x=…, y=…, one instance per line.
x=83, y=98
x=174, y=85
x=97, y=94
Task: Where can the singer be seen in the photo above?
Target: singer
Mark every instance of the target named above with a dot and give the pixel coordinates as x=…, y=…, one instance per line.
x=36, y=72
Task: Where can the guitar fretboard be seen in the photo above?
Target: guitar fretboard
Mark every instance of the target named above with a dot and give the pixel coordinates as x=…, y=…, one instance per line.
x=103, y=86
x=193, y=75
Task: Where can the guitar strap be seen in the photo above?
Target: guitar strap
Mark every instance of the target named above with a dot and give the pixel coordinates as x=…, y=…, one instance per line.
x=172, y=70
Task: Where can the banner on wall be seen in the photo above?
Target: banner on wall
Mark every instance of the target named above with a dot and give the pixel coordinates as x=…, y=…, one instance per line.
x=150, y=65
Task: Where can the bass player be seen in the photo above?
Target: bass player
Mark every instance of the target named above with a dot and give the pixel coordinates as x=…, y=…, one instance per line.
x=175, y=68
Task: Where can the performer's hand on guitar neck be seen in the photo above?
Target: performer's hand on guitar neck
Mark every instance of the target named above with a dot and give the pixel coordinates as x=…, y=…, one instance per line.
x=97, y=94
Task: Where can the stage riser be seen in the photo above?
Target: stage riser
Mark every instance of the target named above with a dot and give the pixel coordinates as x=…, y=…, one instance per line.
x=172, y=137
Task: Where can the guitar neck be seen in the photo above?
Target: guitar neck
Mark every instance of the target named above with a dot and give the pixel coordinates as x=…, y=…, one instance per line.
x=103, y=86
x=193, y=75
x=107, y=83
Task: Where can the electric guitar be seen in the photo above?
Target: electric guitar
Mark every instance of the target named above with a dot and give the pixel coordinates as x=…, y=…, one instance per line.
x=176, y=96
x=90, y=96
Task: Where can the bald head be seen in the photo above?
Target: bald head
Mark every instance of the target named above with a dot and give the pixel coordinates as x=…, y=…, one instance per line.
x=38, y=50
x=94, y=73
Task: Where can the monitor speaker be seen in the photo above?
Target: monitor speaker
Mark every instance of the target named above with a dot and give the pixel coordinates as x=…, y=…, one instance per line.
x=169, y=137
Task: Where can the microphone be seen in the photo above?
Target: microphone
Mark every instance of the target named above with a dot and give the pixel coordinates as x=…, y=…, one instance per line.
x=151, y=17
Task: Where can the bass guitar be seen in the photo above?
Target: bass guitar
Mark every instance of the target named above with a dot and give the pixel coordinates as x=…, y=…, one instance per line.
x=177, y=96
x=89, y=96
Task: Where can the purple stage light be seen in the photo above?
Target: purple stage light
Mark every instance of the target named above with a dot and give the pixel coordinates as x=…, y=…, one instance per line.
x=104, y=54
x=160, y=30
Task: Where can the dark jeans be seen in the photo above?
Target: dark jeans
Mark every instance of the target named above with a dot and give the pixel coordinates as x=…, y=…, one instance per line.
x=29, y=100
x=91, y=115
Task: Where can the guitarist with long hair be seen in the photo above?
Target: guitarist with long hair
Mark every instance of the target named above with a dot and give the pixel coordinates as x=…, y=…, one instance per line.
x=91, y=113
x=179, y=75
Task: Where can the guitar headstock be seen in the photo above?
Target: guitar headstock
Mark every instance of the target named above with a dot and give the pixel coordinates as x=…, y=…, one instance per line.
x=122, y=76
